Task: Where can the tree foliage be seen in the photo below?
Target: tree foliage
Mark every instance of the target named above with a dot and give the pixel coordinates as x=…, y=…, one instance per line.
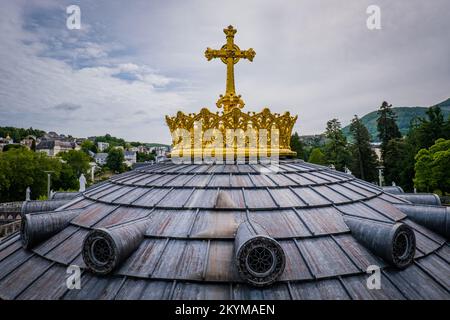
x=115, y=160
x=143, y=157
x=17, y=134
x=426, y=131
x=399, y=163
x=13, y=146
x=317, y=157
x=387, y=126
x=113, y=141
x=297, y=146
x=432, y=168
x=20, y=169
x=77, y=160
x=364, y=159
x=336, y=151
x=87, y=145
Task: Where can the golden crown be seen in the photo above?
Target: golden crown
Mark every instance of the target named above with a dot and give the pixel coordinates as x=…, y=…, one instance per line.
x=263, y=133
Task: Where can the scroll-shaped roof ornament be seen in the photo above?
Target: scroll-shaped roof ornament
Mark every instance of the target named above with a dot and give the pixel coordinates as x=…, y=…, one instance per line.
x=259, y=258
x=436, y=218
x=395, y=243
x=39, y=226
x=105, y=248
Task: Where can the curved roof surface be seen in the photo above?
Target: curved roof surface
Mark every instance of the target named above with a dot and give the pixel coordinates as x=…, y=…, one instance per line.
x=188, y=248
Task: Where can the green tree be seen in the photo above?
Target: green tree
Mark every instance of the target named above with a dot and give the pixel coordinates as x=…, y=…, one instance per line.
x=113, y=141
x=427, y=131
x=432, y=168
x=77, y=160
x=87, y=145
x=13, y=146
x=22, y=168
x=297, y=146
x=364, y=158
x=17, y=134
x=336, y=151
x=399, y=163
x=387, y=126
x=68, y=179
x=317, y=157
x=115, y=160
x=143, y=157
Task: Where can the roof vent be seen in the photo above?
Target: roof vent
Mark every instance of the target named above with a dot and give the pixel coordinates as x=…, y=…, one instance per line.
x=259, y=258
x=435, y=218
x=421, y=198
x=38, y=226
x=395, y=243
x=393, y=190
x=104, y=249
x=41, y=206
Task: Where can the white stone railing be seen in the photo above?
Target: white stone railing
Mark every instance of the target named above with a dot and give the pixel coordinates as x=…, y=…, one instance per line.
x=7, y=229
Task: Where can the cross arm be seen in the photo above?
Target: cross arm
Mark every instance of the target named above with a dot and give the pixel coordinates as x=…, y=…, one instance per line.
x=246, y=54
x=211, y=54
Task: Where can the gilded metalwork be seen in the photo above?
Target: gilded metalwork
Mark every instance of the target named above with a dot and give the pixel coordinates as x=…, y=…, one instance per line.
x=265, y=125
x=235, y=120
x=230, y=54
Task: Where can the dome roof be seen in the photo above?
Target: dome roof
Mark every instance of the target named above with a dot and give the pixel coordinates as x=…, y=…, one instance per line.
x=178, y=231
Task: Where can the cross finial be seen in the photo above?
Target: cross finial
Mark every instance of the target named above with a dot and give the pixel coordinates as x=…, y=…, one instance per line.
x=230, y=55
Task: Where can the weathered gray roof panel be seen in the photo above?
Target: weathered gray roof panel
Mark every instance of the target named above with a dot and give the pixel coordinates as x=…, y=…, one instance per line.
x=188, y=248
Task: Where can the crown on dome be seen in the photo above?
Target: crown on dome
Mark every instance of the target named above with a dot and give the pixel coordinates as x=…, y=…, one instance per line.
x=231, y=131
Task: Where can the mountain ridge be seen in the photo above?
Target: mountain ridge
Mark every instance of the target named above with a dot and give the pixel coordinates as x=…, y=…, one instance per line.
x=404, y=117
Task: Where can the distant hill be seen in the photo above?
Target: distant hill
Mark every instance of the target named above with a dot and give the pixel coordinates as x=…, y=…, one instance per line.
x=404, y=117
x=150, y=145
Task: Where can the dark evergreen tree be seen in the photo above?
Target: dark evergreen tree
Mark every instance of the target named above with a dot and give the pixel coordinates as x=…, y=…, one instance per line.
x=427, y=131
x=387, y=127
x=336, y=151
x=399, y=164
x=364, y=158
x=297, y=146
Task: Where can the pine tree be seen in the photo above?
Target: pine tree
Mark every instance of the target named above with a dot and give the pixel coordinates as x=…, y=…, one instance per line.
x=387, y=127
x=364, y=158
x=336, y=151
x=399, y=163
x=431, y=129
x=297, y=146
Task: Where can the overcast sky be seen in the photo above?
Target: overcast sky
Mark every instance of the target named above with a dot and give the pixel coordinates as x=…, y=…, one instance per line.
x=133, y=62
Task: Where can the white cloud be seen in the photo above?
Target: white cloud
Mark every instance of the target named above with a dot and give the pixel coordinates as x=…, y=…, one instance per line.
x=35, y=89
x=126, y=69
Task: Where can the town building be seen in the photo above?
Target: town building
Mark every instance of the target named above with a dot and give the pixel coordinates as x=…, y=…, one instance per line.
x=130, y=158
x=29, y=141
x=102, y=146
x=101, y=158
x=53, y=147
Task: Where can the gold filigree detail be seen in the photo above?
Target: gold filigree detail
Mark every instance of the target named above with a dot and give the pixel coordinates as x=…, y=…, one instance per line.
x=232, y=118
x=230, y=54
x=235, y=119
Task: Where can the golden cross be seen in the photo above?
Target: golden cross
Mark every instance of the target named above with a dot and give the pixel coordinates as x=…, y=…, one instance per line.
x=230, y=55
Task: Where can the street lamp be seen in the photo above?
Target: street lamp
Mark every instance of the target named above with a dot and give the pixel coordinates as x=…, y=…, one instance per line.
x=49, y=173
x=380, y=175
